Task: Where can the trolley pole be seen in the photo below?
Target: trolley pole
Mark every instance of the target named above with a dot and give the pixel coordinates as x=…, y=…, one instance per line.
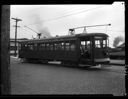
x=16, y=20
x=38, y=34
x=72, y=31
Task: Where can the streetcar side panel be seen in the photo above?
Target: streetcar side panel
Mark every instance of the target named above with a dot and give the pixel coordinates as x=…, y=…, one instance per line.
x=65, y=51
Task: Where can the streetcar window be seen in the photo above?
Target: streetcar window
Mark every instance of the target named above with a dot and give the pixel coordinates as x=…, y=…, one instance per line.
x=62, y=45
x=35, y=46
x=25, y=45
x=97, y=44
x=19, y=46
x=51, y=46
x=67, y=47
x=72, y=46
x=31, y=47
x=42, y=46
x=47, y=46
x=101, y=43
x=104, y=43
x=83, y=44
x=57, y=46
x=88, y=44
x=38, y=46
x=22, y=45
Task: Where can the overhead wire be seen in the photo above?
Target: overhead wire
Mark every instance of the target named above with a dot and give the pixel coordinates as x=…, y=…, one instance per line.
x=23, y=29
x=35, y=31
x=42, y=7
x=76, y=9
x=108, y=30
x=56, y=18
x=68, y=10
x=67, y=15
x=71, y=13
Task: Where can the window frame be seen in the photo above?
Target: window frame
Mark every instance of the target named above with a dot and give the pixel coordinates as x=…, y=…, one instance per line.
x=103, y=43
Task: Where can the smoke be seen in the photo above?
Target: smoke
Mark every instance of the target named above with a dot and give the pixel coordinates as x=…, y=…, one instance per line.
x=39, y=25
x=118, y=40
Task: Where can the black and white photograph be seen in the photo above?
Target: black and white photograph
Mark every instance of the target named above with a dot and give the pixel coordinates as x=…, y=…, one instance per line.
x=65, y=49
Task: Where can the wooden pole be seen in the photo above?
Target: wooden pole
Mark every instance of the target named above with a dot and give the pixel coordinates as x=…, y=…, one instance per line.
x=16, y=38
x=16, y=20
x=5, y=52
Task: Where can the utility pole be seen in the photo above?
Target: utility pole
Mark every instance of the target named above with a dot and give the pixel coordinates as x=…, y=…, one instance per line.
x=16, y=20
x=5, y=82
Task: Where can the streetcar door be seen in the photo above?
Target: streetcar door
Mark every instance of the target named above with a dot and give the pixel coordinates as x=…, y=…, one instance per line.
x=100, y=48
x=86, y=50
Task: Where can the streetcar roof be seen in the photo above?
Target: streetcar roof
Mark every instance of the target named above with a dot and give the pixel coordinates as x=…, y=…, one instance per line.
x=67, y=37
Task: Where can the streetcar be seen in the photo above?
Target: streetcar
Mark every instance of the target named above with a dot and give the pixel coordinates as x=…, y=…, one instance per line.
x=88, y=49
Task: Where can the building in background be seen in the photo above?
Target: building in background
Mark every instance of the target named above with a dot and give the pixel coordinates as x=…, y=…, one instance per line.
x=118, y=52
x=12, y=45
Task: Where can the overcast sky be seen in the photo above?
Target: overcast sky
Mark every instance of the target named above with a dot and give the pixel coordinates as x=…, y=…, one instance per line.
x=52, y=20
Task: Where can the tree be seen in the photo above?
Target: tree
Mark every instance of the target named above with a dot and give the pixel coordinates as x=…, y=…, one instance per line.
x=117, y=40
